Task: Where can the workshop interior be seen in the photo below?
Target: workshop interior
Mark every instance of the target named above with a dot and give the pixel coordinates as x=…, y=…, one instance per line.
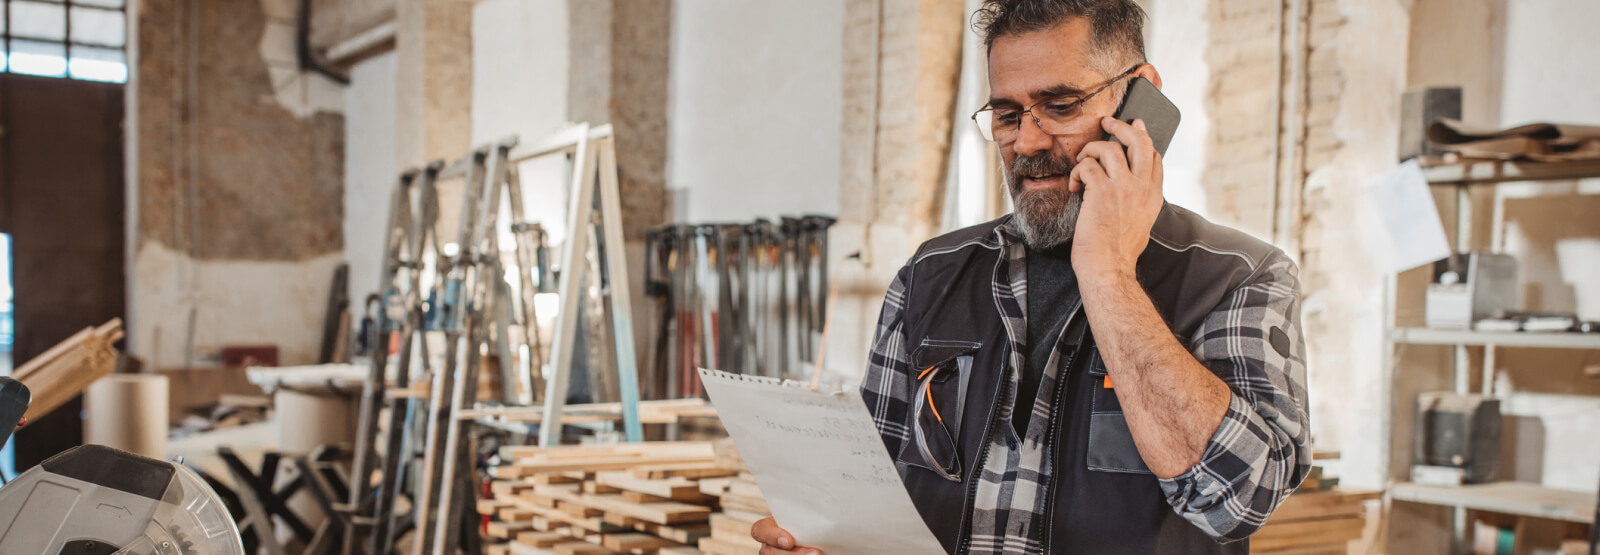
x=368, y=277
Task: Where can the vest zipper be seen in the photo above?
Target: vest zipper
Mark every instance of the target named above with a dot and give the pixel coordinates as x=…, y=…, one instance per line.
x=983, y=458
x=1055, y=420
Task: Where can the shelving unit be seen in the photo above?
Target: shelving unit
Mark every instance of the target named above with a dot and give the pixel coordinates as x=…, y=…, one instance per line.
x=1514, y=498
x=1539, y=340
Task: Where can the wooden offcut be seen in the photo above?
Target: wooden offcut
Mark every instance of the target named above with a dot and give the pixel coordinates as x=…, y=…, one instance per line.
x=66, y=370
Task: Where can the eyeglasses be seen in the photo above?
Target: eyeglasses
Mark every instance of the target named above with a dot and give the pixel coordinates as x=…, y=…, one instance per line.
x=1054, y=116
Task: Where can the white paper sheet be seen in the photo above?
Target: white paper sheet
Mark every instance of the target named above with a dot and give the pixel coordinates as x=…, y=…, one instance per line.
x=1411, y=233
x=821, y=466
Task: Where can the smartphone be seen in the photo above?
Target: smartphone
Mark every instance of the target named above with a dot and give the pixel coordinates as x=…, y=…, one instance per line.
x=1144, y=101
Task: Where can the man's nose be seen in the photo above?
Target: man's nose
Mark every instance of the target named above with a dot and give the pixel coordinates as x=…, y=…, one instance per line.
x=1031, y=139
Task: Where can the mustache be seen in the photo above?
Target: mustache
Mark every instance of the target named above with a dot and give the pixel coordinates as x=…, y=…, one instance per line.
x=1038, y=165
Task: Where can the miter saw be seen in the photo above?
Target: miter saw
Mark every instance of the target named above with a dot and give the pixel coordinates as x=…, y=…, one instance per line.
x=95, y=500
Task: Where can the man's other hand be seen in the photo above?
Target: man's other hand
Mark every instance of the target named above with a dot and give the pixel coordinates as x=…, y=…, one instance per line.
x=775, y=540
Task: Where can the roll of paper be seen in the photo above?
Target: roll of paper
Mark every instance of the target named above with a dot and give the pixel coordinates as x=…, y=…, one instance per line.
x=128, y=412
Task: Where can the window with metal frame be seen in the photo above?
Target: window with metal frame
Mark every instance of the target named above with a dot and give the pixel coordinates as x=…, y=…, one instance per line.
x=74, y=39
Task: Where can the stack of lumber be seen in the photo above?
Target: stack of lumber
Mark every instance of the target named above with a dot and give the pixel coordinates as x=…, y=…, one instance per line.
x=1315, y=523
x=666, y=498
x=666, y=411
x=67, y=369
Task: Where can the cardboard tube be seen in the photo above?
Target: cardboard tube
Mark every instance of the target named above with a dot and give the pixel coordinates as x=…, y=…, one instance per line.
x=306, y=420
x=128, y=412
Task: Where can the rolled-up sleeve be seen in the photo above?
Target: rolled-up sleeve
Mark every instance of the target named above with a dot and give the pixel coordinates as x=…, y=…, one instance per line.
x=1260, y=453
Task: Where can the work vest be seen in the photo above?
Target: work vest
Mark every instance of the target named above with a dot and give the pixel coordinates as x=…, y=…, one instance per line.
x=1103, y=497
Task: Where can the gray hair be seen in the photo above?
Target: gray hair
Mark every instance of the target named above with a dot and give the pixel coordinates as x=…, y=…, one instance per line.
x=1118, y=26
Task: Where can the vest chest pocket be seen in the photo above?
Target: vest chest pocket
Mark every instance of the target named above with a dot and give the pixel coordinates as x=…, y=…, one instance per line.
x=942, y=371
x=1111, y=447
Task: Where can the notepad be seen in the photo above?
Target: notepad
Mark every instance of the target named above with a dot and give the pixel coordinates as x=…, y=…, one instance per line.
x=821, y=466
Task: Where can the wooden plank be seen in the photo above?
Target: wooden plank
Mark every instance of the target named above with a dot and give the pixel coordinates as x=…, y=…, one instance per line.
x=649, y=448
x=659, y=513
x=532, y=466
x=578, y=510
x=507, y=530
x=507, y=488
x=541, y=539
x=744, y=488
x=632, y=541
x=547, y=479
x=679, y=489
x=1322, y=504
x=580, y=548
x=1307, y=532
x=592, y=524
x=491, y=506
x=715, y=487
x=747, y=516
x=1337, y=548
x=682, y=533
x=694, y=471
x=716, y=546
x=67, y=369
x=743, y=503
x=636, y=497
x=598, y=487
x=730, y=528
x=685, y=550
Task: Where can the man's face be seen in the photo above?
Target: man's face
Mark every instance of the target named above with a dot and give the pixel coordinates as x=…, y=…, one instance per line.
x=1023, y=70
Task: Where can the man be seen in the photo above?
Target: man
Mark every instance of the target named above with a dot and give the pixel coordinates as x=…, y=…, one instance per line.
x=1099, y=372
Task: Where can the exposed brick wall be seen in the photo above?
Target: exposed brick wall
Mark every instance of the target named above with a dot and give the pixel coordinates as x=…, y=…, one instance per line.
x=1244, y=62
x=225, y=172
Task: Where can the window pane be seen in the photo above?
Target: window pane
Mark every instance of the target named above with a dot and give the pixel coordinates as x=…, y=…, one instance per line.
x=106, y=3
x=38, y=58
x=98, y=64
x=98, y=26
x=3, y=63
x=38, y=20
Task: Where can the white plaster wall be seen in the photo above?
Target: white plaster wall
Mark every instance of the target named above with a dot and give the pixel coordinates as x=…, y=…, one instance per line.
x=1175, y=28
x=755, y=108
x=370, y=171
x=520, y=68
x=234, y=302
x=1343, y=311
x=1549, y=62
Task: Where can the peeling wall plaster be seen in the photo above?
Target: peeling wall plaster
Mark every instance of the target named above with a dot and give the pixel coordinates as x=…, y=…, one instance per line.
x=302, y=93
x=244, y=302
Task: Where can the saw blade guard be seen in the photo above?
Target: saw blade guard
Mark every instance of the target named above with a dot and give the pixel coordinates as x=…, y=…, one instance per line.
x=98, y=500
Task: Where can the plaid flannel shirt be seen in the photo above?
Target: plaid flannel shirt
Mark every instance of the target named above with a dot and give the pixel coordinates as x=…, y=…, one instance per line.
x=1254, y=460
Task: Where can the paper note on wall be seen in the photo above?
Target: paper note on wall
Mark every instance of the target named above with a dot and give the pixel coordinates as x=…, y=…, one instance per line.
x=1411, y=234
x=821, y=466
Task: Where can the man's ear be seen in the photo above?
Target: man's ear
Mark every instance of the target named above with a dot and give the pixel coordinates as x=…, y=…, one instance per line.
x=1149, y=72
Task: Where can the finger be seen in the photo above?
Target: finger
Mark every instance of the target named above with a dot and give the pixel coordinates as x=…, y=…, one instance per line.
x=767, y=532
x=1110, y=156
x=1137, y=139
x=1157, y=169
x=1088, y=174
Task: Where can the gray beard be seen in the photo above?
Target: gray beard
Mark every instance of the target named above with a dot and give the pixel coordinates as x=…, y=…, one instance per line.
x=1047, y=217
